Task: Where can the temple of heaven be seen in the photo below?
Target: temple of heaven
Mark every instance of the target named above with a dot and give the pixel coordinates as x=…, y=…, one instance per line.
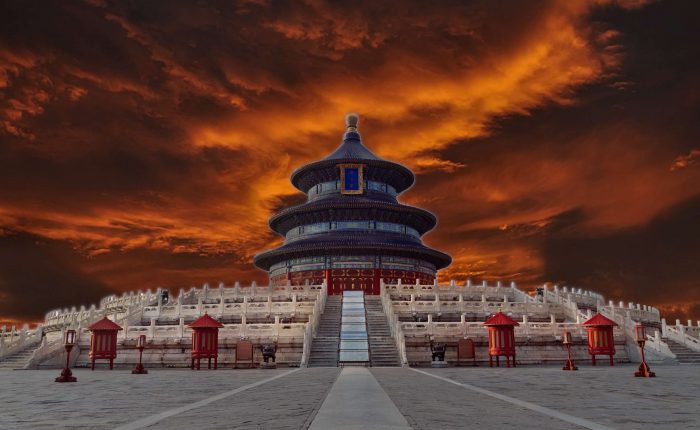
x=352, y=232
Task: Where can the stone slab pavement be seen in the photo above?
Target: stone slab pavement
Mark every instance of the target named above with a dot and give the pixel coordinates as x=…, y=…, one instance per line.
x=608, y=396
x=529, y=397
x=30, y=399
x=356, y=401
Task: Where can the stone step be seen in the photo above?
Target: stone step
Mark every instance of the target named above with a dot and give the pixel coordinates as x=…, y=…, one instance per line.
x=324, y=348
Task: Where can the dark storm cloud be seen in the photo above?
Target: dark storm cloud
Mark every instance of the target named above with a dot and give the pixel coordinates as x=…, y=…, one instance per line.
x=655, y=262
x=37, y=275
x=151, y=141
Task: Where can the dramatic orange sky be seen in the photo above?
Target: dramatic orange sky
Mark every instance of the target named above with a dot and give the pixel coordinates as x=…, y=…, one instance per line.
x=145, y=144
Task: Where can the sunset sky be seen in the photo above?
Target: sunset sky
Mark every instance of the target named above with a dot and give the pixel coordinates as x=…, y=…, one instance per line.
x=146, y=144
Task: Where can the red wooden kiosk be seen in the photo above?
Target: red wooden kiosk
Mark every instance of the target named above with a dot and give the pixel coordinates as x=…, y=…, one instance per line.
x=600, y=337
x=501, y=338
x=205, y=340
x=103, y=342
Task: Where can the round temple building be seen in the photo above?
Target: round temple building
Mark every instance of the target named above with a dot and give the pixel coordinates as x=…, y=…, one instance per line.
x=352, y=231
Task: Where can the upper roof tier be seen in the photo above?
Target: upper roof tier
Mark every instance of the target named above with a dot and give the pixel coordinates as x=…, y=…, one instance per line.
x=351, y=150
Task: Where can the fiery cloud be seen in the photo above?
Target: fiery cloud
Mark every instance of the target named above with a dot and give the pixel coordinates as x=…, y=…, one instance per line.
x=148, y=144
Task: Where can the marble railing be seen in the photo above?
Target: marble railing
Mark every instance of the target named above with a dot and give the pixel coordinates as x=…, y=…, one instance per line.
x=394, y=324
x=312, y=326
x=467, y=289
x=118, y=308
x=222, y=293
x=525, y=330
x=218, y=309
x=13, y=340
x=685, y=335
x=178, y=333
x=636, y=313
x=483, y=307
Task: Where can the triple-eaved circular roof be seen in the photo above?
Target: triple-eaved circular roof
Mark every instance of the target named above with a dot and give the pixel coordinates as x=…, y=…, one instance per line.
x=370, y=205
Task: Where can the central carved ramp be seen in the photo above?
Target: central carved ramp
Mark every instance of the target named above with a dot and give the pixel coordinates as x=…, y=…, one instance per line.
x=354, y=346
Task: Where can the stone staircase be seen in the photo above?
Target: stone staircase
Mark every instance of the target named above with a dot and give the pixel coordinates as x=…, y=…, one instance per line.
x=683, y=353
x=324, y=349
x=382, y=347
x=20, y=358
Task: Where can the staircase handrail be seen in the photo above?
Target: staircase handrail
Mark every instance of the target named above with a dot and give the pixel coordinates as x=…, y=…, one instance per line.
x=311, y=329
x=681, y=337
x=394, y=327
x=19, y=340
x=44, y=352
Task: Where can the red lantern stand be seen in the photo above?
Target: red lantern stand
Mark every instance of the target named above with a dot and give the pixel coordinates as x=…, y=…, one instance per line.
x=501, y=338
x=140, y=345
x=641, y=336
x=566, y=340
x=205, y=340
x=103, y=342
x=69, y=343
x=600, y=337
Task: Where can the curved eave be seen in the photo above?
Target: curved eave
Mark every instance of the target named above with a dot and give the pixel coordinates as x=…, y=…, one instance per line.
x=352, y=245
x=330, y=209
x=397, y=175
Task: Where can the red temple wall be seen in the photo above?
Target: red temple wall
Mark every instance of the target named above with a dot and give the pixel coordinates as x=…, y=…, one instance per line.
x=340, y=280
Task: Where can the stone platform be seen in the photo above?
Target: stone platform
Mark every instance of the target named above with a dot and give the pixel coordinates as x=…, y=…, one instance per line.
x=536, y=397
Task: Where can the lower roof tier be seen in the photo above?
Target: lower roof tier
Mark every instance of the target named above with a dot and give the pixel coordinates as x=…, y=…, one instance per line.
x=347, y=243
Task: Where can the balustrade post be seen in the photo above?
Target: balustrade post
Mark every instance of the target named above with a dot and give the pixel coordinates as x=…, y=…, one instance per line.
x=152, y=328
x=180, y=299
x=544, y=293
x=181, y=328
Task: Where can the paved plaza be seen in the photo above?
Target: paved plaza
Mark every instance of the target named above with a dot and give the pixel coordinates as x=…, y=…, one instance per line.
x=535, y=397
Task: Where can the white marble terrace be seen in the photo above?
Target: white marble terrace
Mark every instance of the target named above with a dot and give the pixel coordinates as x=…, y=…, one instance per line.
x=289, y=316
